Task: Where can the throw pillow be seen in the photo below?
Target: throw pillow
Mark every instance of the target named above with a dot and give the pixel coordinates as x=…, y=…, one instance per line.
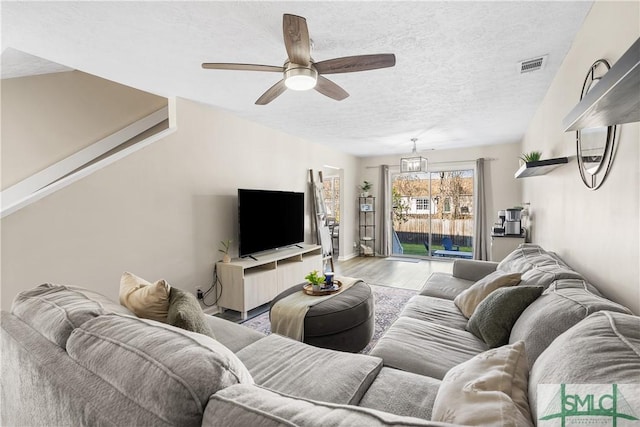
x=490, y=389
x=468, y=300
x=185, y=312
x=496, y=314
x=144, y=299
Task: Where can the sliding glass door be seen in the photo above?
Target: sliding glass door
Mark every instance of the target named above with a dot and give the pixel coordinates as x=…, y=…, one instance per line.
x=433, y=214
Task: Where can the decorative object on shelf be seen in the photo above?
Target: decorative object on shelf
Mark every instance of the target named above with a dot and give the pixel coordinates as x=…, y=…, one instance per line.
x=367, y=226
x=365, y=187
x=225, y=250
x=414, y=164
x=532, y=156
x=541, y=167
x=316, y=280
x=595, y=147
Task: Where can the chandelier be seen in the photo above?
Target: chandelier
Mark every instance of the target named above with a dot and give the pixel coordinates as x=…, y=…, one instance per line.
x=414, y=164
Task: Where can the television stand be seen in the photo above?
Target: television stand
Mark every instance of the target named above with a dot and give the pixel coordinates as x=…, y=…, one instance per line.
x=249, y=283
x=249, y=256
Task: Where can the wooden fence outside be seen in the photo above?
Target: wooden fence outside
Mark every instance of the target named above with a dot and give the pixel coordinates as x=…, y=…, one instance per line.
x=416, y=230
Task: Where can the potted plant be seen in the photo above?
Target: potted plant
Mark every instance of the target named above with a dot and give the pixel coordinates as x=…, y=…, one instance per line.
x=316, y=279
x=225, y=250
x=532, y=156
x=365, y=187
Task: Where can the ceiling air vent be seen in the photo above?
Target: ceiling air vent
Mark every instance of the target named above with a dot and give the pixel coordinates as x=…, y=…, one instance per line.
x=534, y=64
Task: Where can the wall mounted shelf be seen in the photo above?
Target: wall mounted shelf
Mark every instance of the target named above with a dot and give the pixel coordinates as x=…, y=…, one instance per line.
x=540, y=167
x=614, y=100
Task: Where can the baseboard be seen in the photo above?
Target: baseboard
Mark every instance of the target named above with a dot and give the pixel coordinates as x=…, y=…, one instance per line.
x=348, y=257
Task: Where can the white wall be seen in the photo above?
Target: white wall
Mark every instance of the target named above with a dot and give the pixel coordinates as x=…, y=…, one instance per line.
x=161, y=211
x=596, y=232
x=502, y=189
x=49, y=117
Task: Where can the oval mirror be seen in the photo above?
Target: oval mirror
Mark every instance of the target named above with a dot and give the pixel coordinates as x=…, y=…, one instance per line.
x=595, y=146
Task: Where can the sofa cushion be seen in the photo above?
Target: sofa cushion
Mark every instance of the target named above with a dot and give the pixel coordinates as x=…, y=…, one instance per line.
x=250, y=405
x=469, y=299
x=42, y=386
x=185, y=312
x=426, y=348
x=444, y=285
x=56, y=310
x=298, y=369
x=488, y=390
x=545, y=275
x=527, y=256
x=415, y=399
x=472, y=269
x=493, y=319
x=146, y=300
x=164, y=370
x=562, y=305
x=604, y=348
x=232, y=335
x=436, y=310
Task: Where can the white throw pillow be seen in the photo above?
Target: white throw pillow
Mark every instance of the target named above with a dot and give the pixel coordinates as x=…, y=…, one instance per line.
x=146, y=300
x=490, y=389
x=468, y=300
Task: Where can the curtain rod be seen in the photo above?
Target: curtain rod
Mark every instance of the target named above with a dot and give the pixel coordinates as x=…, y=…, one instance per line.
x=487, y=159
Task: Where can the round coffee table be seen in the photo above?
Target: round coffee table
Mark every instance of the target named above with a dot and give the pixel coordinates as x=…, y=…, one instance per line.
x=344, y=322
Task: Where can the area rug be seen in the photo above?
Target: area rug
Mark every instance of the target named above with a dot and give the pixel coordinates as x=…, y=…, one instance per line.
x=388, y=303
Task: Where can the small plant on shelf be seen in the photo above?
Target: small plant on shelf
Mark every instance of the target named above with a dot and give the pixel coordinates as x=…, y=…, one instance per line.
x=226, y=244
x=316, y=279
x=532, y=156
x=365, y=187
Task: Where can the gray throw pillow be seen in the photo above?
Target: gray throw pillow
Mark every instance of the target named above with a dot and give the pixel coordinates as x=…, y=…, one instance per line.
x=498, y=312
x=185, y=313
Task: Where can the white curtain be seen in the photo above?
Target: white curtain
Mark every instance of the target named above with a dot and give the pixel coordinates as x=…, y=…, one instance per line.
x=479, y=227
x=385, y=211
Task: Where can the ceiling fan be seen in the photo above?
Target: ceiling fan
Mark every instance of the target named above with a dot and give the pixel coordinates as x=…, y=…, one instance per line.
x=300, y=72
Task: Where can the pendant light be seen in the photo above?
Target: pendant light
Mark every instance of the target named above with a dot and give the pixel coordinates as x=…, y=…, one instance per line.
x=415, y=163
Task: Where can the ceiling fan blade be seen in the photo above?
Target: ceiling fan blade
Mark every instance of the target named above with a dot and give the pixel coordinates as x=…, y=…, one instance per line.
x=330, y=89
x=296, y=39
x=241, y=67
x=350, y=64
x=272, y=93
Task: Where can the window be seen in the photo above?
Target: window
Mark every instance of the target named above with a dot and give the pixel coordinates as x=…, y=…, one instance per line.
x=332, y=196
x=422, y=204
x=447, y=205
x=464, y=209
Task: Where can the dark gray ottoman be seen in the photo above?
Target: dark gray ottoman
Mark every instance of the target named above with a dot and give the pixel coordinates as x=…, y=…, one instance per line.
x=344, y=322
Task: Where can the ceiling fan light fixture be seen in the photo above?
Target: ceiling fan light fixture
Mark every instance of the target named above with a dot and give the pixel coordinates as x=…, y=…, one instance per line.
x=300, y=78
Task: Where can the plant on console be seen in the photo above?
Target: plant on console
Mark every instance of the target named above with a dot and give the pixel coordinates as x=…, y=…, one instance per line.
x=316, y=279
x=225, y=250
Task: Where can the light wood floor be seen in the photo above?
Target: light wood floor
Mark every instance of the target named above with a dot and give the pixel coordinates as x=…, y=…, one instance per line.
x=389, y=272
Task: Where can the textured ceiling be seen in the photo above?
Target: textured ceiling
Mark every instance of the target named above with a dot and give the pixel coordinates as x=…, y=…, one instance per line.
x=455, y=82
x=20, y=64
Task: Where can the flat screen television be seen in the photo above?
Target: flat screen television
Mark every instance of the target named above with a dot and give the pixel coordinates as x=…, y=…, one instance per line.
x=269, y=220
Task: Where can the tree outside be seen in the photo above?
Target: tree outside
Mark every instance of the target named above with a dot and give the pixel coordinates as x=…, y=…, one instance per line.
x=439, y=204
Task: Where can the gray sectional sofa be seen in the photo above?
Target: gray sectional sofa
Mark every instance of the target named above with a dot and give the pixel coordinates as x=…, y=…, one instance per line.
x=71, y=356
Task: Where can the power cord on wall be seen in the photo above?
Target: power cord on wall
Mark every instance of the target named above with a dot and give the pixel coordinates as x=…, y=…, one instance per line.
x=215, y=287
